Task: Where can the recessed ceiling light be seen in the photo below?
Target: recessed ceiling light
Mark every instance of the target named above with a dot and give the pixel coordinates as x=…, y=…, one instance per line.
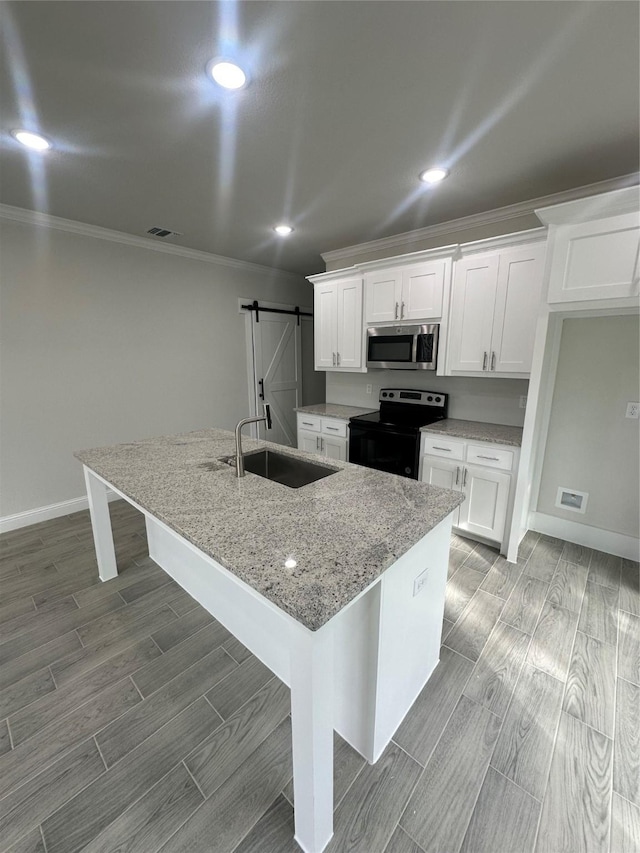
x=290, y=563
x=283, y=230
x=227, y=74
x=434, y=175
x=31, y=140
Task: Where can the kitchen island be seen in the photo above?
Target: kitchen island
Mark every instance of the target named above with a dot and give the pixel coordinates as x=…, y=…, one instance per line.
x=338, y=586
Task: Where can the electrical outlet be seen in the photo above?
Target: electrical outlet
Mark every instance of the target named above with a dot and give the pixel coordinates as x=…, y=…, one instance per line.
x=420, y=581
x=523, y=402
x=369, y=388
x=633, y=409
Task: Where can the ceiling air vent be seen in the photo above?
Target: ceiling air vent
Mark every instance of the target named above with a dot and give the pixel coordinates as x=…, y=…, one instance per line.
x=163, y=233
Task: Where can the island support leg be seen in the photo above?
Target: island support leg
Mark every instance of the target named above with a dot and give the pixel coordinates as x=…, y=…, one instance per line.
x=312, y=736
x=101, y=525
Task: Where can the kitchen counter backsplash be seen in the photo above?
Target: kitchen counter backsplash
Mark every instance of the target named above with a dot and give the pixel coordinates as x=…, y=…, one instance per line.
x=477, y=431
x=335, y=410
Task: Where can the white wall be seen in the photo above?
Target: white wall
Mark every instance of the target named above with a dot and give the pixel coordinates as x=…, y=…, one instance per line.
x=591, y=446
x=489, y=400
x=102, y=342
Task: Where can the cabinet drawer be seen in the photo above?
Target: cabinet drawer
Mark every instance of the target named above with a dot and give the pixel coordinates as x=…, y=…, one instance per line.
x=331, y=426
x=490, y=456
x=443, y=447
x=310, y=422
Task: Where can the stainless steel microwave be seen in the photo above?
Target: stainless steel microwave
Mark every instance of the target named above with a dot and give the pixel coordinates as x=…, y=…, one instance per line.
x=403, y=347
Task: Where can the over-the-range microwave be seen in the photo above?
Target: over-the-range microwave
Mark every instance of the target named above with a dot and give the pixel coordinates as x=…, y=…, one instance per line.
x=403, y=347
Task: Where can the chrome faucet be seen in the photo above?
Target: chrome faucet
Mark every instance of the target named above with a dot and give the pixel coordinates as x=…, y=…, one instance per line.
x=239, y=457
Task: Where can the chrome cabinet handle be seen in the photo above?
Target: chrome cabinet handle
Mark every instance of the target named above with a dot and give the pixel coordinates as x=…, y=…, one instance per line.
x=317, y=442
x=464, y=477
x=333, y=358
x=448, y=449
x=457, y=475
x=321, y=444
x=492, y=458
x=402, y=311
x=493, y=361
x=338, y=364
x=397, y=306
x=484, y=362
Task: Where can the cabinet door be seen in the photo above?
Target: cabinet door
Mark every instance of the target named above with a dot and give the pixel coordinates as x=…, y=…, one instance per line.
x=308, y=441
x=517, y=306
x=423, y=289
x=441, y=472
x=485, y=510
x=383, y=291
x=335, y=447
x=471, y=321
x=350, y=327
x=325, y=327
x=595, y=260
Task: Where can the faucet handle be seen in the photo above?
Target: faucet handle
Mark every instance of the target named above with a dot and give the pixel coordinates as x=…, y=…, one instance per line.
x=267, y=414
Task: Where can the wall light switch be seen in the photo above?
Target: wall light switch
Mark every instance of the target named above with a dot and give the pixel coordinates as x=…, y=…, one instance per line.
x=523, y=402
x=633, y=409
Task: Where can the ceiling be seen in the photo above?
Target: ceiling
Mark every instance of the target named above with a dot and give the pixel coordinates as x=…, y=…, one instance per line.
x=347, y=103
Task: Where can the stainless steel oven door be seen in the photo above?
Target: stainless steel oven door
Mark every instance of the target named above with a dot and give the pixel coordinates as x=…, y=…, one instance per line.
x=403, y=347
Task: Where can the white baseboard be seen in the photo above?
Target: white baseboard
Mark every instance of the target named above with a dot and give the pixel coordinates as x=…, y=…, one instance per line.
x=45, y=513
x=583, y=534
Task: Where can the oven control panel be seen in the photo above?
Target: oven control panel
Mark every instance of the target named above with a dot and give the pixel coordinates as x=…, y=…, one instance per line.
x=419, y=398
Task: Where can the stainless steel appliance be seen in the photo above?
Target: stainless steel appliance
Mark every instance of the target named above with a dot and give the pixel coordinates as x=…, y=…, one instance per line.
x=389, y=439
x=403, y=347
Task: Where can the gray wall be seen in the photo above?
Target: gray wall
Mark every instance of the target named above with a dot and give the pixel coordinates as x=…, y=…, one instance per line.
x=591, y=446
x=102, y=342
x=489, y=400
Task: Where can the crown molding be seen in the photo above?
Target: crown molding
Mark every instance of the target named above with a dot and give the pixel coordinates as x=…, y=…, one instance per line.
x=46, y=220
x=626, y=200
x=499, y=214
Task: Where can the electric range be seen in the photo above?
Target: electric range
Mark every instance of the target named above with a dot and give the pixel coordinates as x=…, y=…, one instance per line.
x=389, y=439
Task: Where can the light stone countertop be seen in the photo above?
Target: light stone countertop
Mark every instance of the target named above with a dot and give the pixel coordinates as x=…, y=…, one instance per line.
x=334, y=410
x=343, y=530
x=477, y=431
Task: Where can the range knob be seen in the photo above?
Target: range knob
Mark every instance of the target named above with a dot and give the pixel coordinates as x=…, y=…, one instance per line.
x=384, y=393
x=438, y=399
x=391, y=394
x=429, y=399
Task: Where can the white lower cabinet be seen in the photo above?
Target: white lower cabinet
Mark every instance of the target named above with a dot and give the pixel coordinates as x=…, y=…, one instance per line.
x=453, y=464
x=326, y=437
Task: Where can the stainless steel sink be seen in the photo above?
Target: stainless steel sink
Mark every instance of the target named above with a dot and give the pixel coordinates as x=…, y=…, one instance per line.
x=284, y=469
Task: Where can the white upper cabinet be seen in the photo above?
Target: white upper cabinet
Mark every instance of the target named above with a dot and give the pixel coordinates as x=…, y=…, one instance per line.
x=594, y=246
x=495, y=300
x=409, y=292
x=338, y=324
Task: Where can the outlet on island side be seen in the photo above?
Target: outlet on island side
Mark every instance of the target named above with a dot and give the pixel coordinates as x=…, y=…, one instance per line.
x=420, y=581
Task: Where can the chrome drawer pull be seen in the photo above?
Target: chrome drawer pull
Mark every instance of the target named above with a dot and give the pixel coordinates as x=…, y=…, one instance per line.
x=448, y=449
x=306, y=423
x=335, y=429
x=492, y=458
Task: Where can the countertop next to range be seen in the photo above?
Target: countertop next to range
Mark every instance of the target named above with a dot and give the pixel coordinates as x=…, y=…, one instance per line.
x=343, y=531
x=334, y=410
x=477, y=431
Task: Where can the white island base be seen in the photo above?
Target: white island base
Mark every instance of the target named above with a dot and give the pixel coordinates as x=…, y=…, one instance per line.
x=358, y=674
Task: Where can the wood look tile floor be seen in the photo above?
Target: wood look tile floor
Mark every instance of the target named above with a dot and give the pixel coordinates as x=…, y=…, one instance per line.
x=130, y=720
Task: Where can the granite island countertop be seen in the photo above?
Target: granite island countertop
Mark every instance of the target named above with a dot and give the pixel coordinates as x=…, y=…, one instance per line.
x=343, y=531
x=334, y=410
x=477, y=431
